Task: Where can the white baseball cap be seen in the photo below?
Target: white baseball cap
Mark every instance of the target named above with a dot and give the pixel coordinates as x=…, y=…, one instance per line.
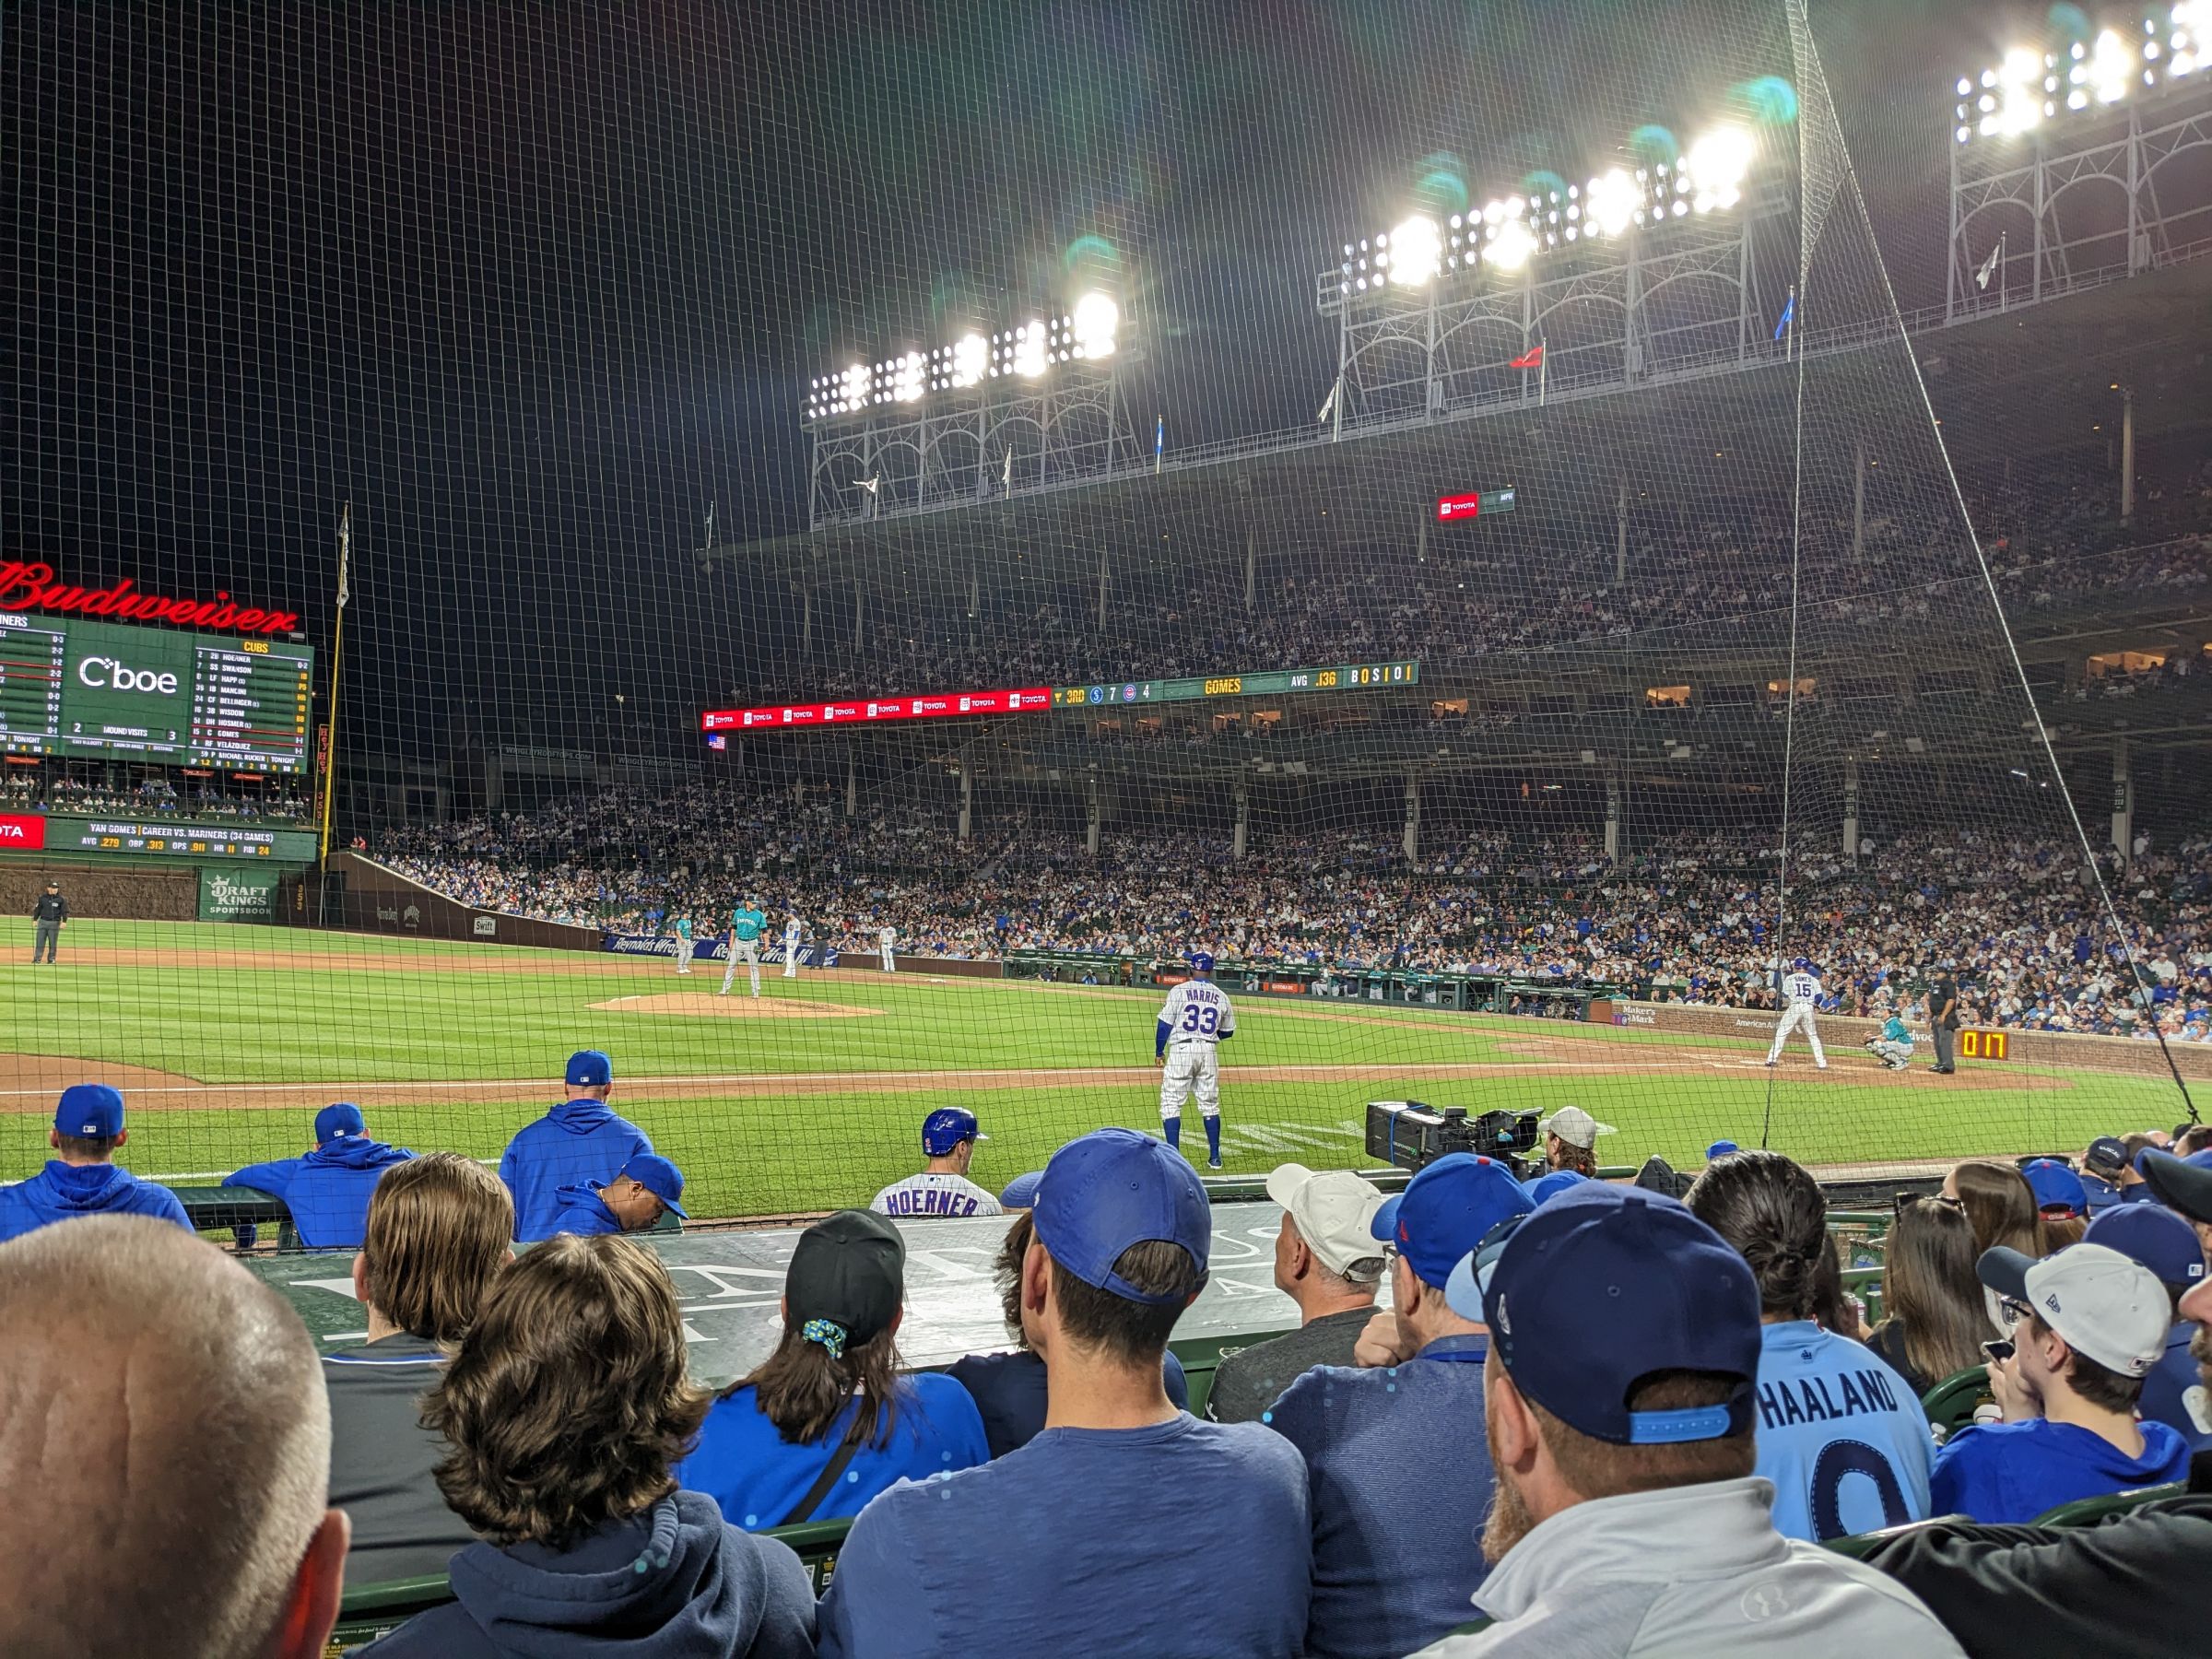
x=1574, y=1126
x=1332, y=1208
x=2107, y=1305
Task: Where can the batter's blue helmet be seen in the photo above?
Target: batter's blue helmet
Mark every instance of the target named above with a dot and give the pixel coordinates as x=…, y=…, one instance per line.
x=1201, y=962
x=1803, y=964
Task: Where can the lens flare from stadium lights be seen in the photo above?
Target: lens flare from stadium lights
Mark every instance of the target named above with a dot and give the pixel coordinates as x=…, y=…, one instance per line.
x=1415, y=251
x=1610, y=203
x=1715, y=167
x=970, y=361
x=2111, y=68
x=1510, y=245
x=1093, y=323
x=908, y=378
x=1028, y=358
x=852, y=389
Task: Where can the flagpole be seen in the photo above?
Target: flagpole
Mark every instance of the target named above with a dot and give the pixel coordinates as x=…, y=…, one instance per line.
x=337, y=657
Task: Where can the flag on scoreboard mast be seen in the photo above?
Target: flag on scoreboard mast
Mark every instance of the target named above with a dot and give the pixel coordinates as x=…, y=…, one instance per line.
x=345, y=549
x=1531, y=359
x=1989, y=265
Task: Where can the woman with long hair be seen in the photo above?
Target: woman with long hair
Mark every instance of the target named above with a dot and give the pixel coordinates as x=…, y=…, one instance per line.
x=827, y=1421
x=2000, y=1205
x=1934, y=1324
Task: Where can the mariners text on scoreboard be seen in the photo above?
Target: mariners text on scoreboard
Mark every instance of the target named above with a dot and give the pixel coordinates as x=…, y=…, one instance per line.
x=69, y=687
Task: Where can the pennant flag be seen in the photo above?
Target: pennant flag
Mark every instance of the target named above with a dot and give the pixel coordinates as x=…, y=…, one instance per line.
x=1989, y=265
x=1789, y=313
x=1531, y=359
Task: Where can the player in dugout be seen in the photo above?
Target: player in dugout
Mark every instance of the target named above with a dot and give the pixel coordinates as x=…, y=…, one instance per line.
x=634, y=1201
x=81, y=1179
x=580, y=1139
x=942, y=1187
x=327, y=1189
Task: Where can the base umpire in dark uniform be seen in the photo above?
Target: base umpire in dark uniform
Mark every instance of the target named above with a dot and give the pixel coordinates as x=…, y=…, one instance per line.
x=49, y=914
x=1943, y=1018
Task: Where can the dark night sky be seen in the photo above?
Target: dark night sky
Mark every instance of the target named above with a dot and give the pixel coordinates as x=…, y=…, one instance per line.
x=532, y=285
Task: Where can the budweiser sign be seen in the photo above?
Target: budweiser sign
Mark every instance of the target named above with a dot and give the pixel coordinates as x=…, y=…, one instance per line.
x=21, y=832
x=32, y=587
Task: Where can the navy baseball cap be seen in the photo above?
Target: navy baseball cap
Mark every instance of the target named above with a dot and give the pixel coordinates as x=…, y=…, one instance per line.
x=2106, y=1157
x=947, y=1127
x=1021, y=1192
x=2180, y=1183
x=1446, y=1211
x=2056, y=1188
x=1202, y=962
x=1114, y=1188
x=89, y=1112
x=659, y=1178
x=2154, y=1236
x=588, y=1068
x=1605, y=1285
x=338, y=1120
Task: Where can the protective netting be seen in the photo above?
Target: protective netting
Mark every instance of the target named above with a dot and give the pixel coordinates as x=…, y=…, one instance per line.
x=1445, y=510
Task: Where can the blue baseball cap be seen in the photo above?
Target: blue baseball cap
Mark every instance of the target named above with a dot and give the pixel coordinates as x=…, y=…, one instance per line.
x=2180, y=1183
x=1605, y=1285
x=659, y=1178
x=1721, y=1149
x=338, y=1120
x=1114, y=1188
x=1446, y=1211
x=588, y=1068
x=947, y=1127
x=2154, y=1236
x=2106, y=1157
x=1202, y=962
x=1021, y=1192
x=1553, y=1185
x=89, y=1112
x=2056, y=1187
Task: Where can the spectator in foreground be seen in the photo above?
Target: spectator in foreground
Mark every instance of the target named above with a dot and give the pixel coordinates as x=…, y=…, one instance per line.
x=2000, y=1205
x=1841, y=1435
x=634, y=1201
x=1326, y=1262
x=1935, y=1326
x=327, y=1189
x=2091, y=1324
x=1082, y=1526
x=2173, y=1393
x=2048, y=1592
x=826, y=1422
x=1620, y=1409
x=942, y=1187
x=565, y=1408
x=1010, y=1389
x=162, y=1406
x=578, y=1140
x=1569, y=1139
x=1394, y=1560
x=436, y=1236
x=81, y=1178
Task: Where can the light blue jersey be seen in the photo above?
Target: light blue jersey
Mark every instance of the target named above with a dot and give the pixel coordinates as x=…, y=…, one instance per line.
x=1841, y=1435
x=747, y=926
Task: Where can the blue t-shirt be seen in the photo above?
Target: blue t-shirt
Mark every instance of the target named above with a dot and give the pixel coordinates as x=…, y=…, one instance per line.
x=1396, y=1552
x=327, y=1191
x=1083, y=1542
x=1009, y=1390
x=744, y=1463
x=1841, y=1434
x=578, y=1140
x=2174, y=1393
x=2010, y=1473
x=61, y=1191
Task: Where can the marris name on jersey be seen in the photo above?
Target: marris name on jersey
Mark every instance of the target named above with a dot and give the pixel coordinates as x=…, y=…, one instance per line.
x=927, y=1201
x=1808, y=1400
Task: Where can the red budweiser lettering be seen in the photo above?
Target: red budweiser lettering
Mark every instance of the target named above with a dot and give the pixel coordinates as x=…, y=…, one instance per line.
x=953, y=703
x=21, y=832
x=31, y=586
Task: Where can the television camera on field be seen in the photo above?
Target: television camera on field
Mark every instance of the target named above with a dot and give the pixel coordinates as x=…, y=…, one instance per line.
x=1410, y=1135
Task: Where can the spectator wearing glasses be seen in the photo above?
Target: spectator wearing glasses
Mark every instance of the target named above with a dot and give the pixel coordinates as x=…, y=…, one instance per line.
x=2088, y=1324
x=1393, y=1563
x=1841, y=1436
x=1935, y=1326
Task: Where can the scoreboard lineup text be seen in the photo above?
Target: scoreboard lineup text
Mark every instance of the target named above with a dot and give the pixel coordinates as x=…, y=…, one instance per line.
x=91, y=688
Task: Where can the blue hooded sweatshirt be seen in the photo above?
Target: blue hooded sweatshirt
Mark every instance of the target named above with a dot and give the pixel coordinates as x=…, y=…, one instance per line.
x=578, y=1140
x=61, y=1191
x=2007, y=1473
x=669, y=1582
x=327, y=1191
x=582, y=1212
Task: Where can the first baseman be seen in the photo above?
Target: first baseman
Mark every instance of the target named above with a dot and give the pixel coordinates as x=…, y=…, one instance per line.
x=1801, y=1000
x=747, y=925
x=793, y=933
x=1193, y=1022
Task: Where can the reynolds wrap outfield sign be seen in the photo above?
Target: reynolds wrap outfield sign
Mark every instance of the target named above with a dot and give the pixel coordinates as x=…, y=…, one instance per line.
x=713, y=948
x=246, y=895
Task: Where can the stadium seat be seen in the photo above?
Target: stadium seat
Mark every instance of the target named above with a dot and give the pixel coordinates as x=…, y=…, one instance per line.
x=817, y=1543
x=1950, y=1404
x=2089, y=1511
x=367, y=1611
x=1857, y=1545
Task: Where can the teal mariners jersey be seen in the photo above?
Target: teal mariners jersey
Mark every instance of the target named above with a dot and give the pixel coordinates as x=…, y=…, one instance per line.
x=1893, y=1030
x=1841, y=1435
x=747, y=925
x=683, y=927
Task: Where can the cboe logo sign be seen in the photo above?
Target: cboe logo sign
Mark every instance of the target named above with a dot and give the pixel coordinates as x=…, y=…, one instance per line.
x=109, y=674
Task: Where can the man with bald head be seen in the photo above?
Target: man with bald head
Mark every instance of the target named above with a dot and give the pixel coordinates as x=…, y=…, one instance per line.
x=166, y=1438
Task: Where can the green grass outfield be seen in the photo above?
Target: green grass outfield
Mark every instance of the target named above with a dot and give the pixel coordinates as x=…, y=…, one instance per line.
x=238, y=1033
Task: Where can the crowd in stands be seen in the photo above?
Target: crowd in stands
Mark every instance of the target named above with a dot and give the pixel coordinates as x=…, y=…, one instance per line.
x=1594, y=1417
x=157, y=795
x=1691, y=917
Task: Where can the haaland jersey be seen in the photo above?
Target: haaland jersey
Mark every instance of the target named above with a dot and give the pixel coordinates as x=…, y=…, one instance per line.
x=1841, y=1435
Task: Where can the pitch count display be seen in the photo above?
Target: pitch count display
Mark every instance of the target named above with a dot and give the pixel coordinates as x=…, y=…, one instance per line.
x=75, y=687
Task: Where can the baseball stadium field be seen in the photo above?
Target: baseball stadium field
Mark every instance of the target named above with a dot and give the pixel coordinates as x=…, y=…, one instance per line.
x=225, y=1040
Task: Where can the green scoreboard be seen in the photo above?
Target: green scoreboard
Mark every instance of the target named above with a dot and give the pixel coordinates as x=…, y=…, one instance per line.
x=78, y=687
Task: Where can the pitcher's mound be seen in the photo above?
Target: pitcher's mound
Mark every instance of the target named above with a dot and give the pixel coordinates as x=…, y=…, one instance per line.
x=734, y=1006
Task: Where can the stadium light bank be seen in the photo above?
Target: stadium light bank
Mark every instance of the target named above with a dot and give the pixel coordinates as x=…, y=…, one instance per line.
x=2035, y=84
x=1030, y=350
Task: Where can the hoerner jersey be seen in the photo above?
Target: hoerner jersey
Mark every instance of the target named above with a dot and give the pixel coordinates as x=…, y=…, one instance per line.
x=1198, y=1011
x=932, y=1193
x=1801, y=987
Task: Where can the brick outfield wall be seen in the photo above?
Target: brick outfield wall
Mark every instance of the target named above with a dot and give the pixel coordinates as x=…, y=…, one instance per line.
x=2129, y=1055
x=161, y=893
